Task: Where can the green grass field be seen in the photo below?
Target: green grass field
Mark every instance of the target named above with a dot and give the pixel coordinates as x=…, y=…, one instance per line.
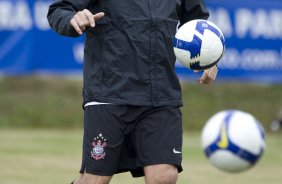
x=55, y=102
x=41, y=120
x=31, y=156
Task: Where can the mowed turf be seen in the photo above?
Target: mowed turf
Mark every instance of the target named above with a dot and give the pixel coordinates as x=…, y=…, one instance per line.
x=55, y=102
x=53, y=157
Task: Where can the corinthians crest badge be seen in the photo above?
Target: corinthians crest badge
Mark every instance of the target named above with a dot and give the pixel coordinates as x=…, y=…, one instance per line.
x=98, y=151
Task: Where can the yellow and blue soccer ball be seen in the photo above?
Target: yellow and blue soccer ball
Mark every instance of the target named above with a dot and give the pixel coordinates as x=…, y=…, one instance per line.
x=199, y=44
x=233, y=140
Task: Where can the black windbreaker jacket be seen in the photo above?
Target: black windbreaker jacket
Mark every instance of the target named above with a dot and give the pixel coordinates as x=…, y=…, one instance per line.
x=128, y=56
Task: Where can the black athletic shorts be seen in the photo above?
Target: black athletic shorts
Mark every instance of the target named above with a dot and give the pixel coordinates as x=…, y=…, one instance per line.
x=127, y=138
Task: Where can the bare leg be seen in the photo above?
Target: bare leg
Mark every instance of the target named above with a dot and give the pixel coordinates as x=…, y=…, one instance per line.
x=86, y=178
x=161, y=174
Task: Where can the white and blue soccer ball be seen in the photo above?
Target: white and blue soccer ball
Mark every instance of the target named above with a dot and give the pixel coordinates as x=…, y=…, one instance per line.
x=233, y=140
x=199, y=44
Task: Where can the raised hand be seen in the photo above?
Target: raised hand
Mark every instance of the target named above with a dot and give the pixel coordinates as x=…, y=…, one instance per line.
x=84, y=19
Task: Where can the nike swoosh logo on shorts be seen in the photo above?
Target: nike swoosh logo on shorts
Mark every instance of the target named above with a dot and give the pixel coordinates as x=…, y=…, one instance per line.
x=174, y=151
x=95, y=103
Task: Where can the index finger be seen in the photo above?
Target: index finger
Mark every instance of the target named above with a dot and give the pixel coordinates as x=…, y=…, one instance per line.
x=89, y=16
x=98, y=16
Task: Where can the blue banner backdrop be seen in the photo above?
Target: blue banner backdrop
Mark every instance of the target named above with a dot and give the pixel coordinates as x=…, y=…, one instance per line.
x=252, y=28
x=27, y=43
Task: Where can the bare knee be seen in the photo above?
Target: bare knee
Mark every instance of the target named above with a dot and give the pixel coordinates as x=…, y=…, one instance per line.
x=86, y=178
x=161, y=174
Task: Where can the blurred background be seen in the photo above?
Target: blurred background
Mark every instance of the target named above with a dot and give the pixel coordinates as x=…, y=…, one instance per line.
x=41, y=117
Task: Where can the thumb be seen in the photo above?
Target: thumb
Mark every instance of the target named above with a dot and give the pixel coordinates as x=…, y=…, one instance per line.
x=98, y=16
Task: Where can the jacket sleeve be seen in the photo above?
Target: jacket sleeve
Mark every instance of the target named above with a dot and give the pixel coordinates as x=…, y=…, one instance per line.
x=192, y=9
x=61, y=12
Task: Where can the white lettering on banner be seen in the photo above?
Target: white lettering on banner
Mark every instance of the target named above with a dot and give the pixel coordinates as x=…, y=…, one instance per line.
x=222, y=19
x=243, y=22
x=78, y=52
x=15, y=15
x=5, y=9
x=259, y=23
x=276, y=17
x=254, y=59
x=251, y=59
x=21, y=16
x=230, y=59
x=40, y=13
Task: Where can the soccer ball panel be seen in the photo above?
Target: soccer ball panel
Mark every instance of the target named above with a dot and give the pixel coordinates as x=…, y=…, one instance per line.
x=218, y=159
x=182, y=56
x=187, y=31
x=233, y=140
x=202, y=41
x=211, y=130
x=241, y=133
x=208, y=54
